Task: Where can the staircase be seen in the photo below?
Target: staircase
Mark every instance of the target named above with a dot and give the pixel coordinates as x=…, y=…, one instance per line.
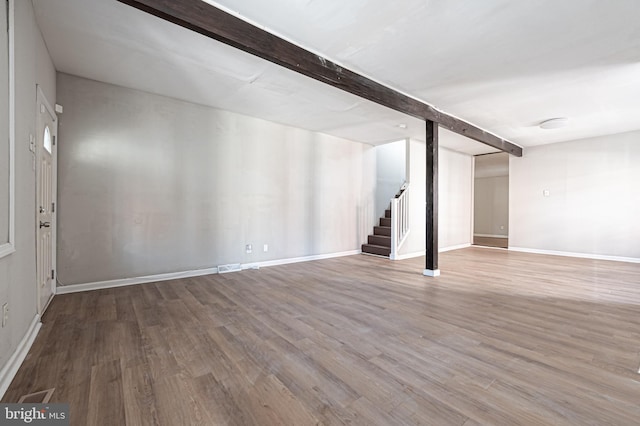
x=389, y=236
x=380, y=242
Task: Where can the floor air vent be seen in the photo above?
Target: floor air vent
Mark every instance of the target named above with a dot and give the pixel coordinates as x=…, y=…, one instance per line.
x=41, y=397
x=232, y=267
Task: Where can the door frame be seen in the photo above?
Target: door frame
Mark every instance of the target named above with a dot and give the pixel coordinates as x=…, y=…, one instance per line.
x=9, y=246
x=474, y=204
x=42, y=102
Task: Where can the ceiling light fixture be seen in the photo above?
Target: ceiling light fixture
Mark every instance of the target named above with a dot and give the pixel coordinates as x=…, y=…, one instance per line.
x=402, y=126
x=554, y=123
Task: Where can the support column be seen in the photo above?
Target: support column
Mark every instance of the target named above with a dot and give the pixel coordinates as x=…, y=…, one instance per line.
x=431, y=267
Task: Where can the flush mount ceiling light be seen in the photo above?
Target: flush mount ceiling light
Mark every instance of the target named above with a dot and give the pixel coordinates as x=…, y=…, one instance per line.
x=402, y=126
x=554, y=123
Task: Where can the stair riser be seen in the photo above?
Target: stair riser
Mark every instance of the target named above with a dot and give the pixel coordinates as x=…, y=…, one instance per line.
x=379, y=240
x=385, y=221
x=382, y=230
x=387, y=213
x=380, y=251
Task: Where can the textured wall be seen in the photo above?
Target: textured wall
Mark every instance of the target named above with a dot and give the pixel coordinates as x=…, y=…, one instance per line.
x=491, y=206
x=391, y=161
x=455, y=178
x=149, y=185
x=593, y=204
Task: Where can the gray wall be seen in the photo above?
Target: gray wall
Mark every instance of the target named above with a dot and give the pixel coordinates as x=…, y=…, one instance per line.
x=593, y=204
x=149, y=185
x=455, y=197
x=391, y=173
x=491, y=206
x=455, y=178
x=17, y=271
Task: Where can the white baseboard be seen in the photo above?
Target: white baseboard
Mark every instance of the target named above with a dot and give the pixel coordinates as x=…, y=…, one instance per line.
x=580, y=255
x=431, y=273
x=407, y=255
x=457, y=247
x=256, y=265
x=75, y=288
x=10, y=369
x=491, y=235
x=421, y=253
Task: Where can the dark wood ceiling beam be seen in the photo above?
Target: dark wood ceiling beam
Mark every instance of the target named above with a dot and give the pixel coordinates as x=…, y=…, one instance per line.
x=219, y=25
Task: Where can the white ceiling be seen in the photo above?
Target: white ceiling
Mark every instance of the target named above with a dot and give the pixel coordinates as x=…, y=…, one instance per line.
x=502, y=65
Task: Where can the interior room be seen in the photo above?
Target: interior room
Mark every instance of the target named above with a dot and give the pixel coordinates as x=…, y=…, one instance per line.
x=491, y=200
x=241, y=212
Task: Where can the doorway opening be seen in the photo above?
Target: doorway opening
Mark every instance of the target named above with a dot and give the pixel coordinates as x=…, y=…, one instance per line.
x=491, y=200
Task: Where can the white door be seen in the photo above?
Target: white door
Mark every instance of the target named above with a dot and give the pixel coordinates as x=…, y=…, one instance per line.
x=45, y=200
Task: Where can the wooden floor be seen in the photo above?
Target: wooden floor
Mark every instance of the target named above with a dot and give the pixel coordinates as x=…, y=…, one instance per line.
x=491, y=242
x=499, y=338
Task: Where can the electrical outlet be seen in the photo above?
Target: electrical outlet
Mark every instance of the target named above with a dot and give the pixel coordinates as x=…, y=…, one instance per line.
x=249, y=249
x=5, y=314
x=265, y=248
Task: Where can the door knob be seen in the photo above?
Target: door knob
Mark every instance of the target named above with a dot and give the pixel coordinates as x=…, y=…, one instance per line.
x=45, y=224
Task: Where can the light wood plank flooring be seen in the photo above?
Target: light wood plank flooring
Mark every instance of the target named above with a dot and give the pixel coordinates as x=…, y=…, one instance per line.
x=499, y=338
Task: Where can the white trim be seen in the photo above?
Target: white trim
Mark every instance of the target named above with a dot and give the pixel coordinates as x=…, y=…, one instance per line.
x=473, y=198
x=491, y=235
x=75, y=288
x=231, y=267
x=440, y=250
x=456, y=247
x=41, y=99
x=10, y=247
x=580, y=255
x=10, y=369
x=266, y=263
x=431, y=273
x=407, y=255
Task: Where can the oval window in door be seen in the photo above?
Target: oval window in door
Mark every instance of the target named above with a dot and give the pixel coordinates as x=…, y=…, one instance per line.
x=47, y=139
